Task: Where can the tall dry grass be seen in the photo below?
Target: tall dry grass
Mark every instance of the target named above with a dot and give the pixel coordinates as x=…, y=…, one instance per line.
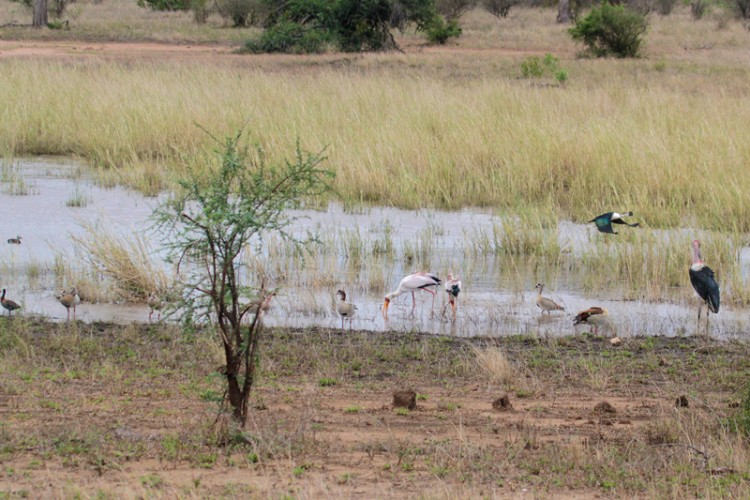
x=665, y=136
x=128, y=262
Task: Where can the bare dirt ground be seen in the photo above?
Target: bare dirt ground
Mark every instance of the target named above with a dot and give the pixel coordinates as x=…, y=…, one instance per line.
x=108, y=411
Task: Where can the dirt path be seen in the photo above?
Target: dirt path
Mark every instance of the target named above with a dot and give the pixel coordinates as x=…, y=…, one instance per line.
x=114, y=50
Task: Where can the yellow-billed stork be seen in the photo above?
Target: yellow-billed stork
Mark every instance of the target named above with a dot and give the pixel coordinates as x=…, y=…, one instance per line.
x=412, y=283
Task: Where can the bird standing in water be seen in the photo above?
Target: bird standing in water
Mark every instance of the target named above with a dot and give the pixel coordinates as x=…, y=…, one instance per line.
x=544, y=303
x=155, y=304
x=70, y=299
x=452, y=288
x=8, y=304
x=604, y=221
x=703, y=281
x=412, y=283
x=595, y=316
x=345, y=309
x=15, y=241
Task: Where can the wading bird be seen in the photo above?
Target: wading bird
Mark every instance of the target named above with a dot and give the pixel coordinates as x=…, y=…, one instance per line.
x=452, y=288
x=9, y=305
x=544, y=303
x=155, y=304
x=704, y=283
x=345, y=309
x=15, y=241
x=604, y=221
x=70, y=299
x=412, y=283
x=594, y=316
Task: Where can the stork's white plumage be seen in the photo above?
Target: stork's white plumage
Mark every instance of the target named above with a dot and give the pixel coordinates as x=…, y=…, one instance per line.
x=412, y=283
x=452, y=288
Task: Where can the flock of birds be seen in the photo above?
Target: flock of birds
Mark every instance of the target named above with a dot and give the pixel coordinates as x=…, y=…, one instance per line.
x=701, y=277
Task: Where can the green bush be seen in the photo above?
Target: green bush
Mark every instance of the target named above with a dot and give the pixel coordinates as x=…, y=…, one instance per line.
x=537, y=67
x=165, y=4
x=611, y=30
x=288, y=37
x=441, y=30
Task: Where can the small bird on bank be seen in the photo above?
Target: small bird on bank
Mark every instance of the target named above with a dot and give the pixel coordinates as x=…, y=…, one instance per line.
x=452, y=288
x=544, y=303
x=412, y=283
x=8, y=304
x=15, y=241
x=70, y=299
x=704, y=282
x=604, y=221
x=155, y=303
x=594, y=316
x=345, y=309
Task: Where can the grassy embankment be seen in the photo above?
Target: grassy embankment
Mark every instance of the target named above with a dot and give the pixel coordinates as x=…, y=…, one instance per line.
x=108, y=410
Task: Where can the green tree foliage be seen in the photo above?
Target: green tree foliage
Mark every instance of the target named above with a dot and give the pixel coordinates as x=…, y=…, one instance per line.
x=611, y=30
x=208, y=226
x=349, y=25
x=165, y=4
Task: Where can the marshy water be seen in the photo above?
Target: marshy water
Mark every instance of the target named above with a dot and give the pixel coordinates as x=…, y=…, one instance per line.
x=364, y=251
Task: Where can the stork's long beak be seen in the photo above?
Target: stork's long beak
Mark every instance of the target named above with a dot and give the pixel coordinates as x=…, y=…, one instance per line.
x=385, y=308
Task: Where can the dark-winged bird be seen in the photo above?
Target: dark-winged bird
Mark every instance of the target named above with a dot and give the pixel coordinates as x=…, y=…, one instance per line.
x=703, y=281
x=9, y=305
x=595, y=316
x=604, y=221
x=452, y=288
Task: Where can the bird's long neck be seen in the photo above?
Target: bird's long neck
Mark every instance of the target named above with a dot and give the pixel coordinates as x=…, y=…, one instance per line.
x=697, y=256
x=395, y=294
x=3, y=296
x=540, y=290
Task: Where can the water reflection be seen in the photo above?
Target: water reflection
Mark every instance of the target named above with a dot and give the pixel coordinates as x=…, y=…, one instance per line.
x=365, y=252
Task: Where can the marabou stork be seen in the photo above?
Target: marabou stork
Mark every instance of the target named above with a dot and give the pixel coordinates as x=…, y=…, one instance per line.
x=604, y=221
x=345, y=309
x=412, y=283
x=704, y=283
x=544, y=303
x=452, y=288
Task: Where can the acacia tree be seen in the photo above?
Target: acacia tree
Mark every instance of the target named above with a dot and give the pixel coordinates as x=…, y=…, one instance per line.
x=209, y=224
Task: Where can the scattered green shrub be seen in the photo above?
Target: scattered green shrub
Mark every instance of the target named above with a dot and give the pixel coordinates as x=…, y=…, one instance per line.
x=165, y=4
x=288, y=37
x=441, y=30
x=611, y=30
x=537, y=67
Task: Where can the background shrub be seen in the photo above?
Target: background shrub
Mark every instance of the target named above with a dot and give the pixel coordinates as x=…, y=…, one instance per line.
x=442, y=30
x=611, y=30
x=288, y=37
x=165, y=4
